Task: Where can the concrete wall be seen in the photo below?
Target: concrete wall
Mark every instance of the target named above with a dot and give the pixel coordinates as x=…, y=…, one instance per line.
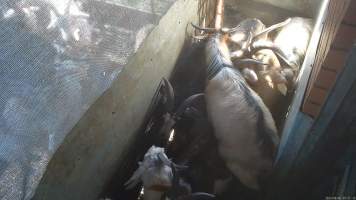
x=157, y=7
x=306, y=7
x=309, y=7
x=269, y=11
x=92, y=151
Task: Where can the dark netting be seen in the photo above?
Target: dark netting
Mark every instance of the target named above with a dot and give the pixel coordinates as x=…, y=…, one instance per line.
x=56, y=58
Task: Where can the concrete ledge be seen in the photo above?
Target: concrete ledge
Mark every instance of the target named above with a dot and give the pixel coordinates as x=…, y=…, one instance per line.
x=92, y=151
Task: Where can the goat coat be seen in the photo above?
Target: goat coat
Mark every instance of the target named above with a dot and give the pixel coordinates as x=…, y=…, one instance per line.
x=155, y=172
x=243, y=125
x=300, y=29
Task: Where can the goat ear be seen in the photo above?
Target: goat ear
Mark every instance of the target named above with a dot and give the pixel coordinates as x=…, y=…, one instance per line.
x=168, y=162
x=130, y=185
x=135, y=179
x=250, y=75
x=164, y=159
x=175, y=181
x=282, y=88
x=273, y=27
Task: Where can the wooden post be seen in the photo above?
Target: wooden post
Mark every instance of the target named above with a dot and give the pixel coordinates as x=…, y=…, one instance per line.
x=219, y=14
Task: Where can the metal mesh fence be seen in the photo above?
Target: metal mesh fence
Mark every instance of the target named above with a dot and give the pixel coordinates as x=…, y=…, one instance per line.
x=56, y=58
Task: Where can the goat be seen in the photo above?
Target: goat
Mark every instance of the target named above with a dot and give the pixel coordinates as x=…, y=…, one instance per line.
x=155, y=172
x=243, y=125
x=160, y=178
x=300, y=29
x=158, y=175
x=241, y=38
x=171, y=116
x=268, y=66
x=290, y=52
x=247, y=32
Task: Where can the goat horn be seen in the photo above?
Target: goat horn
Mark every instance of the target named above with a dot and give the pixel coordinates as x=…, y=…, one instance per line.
x=273, y=27
x=198, y=196
x=257, y=46
x=209, y=30
x=249, y=40
x=231, y=30
x=249, y=61
x=213, y=30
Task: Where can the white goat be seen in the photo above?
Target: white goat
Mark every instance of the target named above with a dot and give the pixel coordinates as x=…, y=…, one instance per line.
x=155, y=172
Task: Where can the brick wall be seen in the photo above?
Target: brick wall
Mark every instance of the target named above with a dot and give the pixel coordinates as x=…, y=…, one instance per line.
x=339, y=33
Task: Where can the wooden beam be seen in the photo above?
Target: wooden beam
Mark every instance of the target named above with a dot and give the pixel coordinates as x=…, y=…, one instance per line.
x=219, y=14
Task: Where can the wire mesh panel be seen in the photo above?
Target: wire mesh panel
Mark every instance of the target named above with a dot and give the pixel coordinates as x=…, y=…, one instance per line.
x=56, y=58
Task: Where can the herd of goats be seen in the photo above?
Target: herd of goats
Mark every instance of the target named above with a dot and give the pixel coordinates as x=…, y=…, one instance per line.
x=237, y=60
